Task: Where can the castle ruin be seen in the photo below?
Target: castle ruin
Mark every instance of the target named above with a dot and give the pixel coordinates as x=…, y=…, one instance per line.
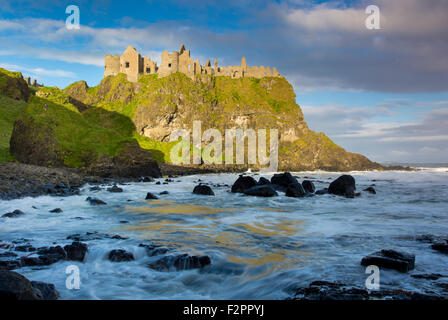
x=133, y=64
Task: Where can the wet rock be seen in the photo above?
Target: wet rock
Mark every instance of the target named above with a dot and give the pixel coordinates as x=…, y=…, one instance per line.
x=47, y=290
x=10, y=264
x=14, y=286
x=25, y=248
x=308, y=186
x=370, y=190
x=46, y=256
x=147, y=179
x=427, y=276
x=390, y=259
x=441, y=247
x=57, y=210
x=295, y=191
x=343, y=186
x=164, y=192
x=14, y=214
x=119, y=255
x=180, y=262
x=203, y=190
x=284, y=180
x=261, y=191
x=322, y=191
x=150, y=196
x=88, y=236
x=7, y=254
x=263, y=181
x=76, y=251
x=158, y=182
x=96, y=188
x=243, y=183
x=153, y=250
x=95, y=201
x=115, y=189
x=325, y=290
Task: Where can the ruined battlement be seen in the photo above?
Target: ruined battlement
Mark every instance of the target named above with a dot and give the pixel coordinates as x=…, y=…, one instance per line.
x=133, y=64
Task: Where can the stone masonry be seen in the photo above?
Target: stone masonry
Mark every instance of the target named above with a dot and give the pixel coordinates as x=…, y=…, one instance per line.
x=133, y=64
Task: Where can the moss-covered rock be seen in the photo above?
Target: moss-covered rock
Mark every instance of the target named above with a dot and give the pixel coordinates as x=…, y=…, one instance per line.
x=13, y=85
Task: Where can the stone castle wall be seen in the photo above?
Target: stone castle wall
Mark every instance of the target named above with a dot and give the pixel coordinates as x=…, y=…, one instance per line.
x=133, y=64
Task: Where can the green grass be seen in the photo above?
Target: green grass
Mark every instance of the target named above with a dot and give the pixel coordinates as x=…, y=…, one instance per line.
x=9, y=112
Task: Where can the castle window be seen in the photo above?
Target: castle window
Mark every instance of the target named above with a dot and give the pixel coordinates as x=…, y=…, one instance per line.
x=189, y=67
x=169, y=65
x=127, y=64
x=148, y=70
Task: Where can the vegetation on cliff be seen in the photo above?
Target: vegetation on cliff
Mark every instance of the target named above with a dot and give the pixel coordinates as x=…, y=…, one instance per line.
x=93, y=128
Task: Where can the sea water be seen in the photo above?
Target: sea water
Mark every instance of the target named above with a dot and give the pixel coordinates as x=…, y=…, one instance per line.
x=261, y=248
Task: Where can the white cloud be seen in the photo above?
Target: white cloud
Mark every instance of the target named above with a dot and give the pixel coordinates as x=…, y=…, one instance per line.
x=40, y=72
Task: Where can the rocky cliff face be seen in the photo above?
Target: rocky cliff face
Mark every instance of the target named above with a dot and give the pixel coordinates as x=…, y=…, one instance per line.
x=159, y=106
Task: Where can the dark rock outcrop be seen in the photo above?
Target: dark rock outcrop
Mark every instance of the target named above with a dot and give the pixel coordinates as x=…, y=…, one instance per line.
x=284, y=180
x=14, y=286
x=57, y=210
x=46, y=256
x=322, y=191
x=95, y=201
x=441, y=247
x=390, y=259
x=261, y=191
x=115, y=189
x=14, y=214
x=295, y=191
x=370, y=190
x=343, y=186
x=47, y=290
x=180, y=262
x=243, y=183
x=203, y=190
x=150, y=196
x=76, y=251
x=308, y=186
x=263, y=181
x=119, y=255
x=153, y=250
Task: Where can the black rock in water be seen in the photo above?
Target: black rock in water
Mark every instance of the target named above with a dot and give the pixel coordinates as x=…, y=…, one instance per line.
x=295, y=191
x=25, y=248
x=46, y=256
x=14, y=286
x=203, y=190
x=441, y=247
x=284, y=179
x=390, y=259
x=243, y=183
x=427, y=276
x=263, y=181
x=153, y=250
x=47, y=290
x=115, y=189
x=322, y=191
x=147, y=179
x=76, y=251
x=308, y=186
x=180, y=262
x=343, y=186
x=95, y=201
x=57, y=210
x=13, y=214
x=261, y=191
x=163, y=193
x=150, y=196
x=370, y=189
x=120, y=255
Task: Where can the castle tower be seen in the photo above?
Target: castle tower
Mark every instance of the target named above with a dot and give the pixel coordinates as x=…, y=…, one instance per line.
x=131, y=64
x=111, y=65
x=243, y=63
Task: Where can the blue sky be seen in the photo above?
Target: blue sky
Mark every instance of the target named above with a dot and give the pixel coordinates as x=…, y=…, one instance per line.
x=382, y=93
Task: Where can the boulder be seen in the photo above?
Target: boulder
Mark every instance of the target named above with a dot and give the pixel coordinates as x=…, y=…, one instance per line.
x=203, y=190
x=370, y=189
x=441, y=247
x=46, y=256
x=390, y=259
x=150, y=196
x=14, y=286
x=57, y=210
x=13, y=214
x=164, y=193
x=343, y=186
x=263, y=181
x=295, y=191
x=115, y=189
x=47, y=290
x=308, y=186
x=180, y=262
x=284, y=179
x=76, y=251
x=153, y=250
x=322, y=191
x=95, y=201
x=119, y=255
x=261, y=191
x=243, y=183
